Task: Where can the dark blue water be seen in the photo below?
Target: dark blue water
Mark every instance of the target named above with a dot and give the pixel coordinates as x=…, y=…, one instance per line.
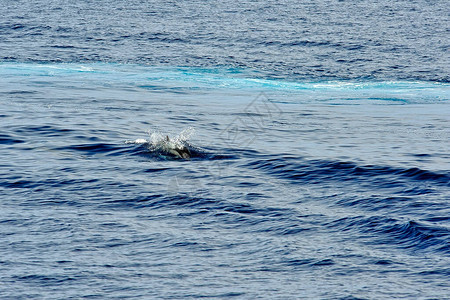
x=317, y=133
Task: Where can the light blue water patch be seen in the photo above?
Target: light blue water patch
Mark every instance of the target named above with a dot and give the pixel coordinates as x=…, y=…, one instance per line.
x=206, y=80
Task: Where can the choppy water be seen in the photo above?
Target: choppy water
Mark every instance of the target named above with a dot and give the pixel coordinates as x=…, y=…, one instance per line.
x=318, y=140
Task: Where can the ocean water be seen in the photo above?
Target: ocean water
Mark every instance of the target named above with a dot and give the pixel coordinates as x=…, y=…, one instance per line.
x=318, y=135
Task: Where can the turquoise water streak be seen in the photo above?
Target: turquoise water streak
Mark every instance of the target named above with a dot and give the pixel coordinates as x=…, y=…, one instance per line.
x=155, y=78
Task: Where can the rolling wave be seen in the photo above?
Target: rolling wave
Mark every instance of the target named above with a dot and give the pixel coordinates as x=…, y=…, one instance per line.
x=296, y=169
x=383, y=230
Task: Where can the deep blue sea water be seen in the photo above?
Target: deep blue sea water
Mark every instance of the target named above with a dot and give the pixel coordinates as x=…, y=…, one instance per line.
x=318, y=134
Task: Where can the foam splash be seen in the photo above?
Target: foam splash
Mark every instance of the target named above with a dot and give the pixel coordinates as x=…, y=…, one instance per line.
x=167, y=146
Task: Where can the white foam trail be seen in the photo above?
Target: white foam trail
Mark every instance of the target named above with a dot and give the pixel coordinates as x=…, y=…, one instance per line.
x=137, y=141
x=140, y=141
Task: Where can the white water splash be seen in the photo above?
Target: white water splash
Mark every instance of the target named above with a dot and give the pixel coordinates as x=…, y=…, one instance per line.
x=166, y=145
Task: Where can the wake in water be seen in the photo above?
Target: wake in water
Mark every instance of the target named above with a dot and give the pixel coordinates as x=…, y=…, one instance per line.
x=165, y=147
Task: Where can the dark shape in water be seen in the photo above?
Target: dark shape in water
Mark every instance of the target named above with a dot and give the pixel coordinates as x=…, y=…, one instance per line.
x=179, y=151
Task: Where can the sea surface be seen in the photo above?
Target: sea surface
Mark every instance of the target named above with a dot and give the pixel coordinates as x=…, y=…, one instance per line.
x=318, y=135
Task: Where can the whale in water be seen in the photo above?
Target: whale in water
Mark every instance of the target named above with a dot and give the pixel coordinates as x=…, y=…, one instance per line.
x=168, y=148
x=178, y=150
